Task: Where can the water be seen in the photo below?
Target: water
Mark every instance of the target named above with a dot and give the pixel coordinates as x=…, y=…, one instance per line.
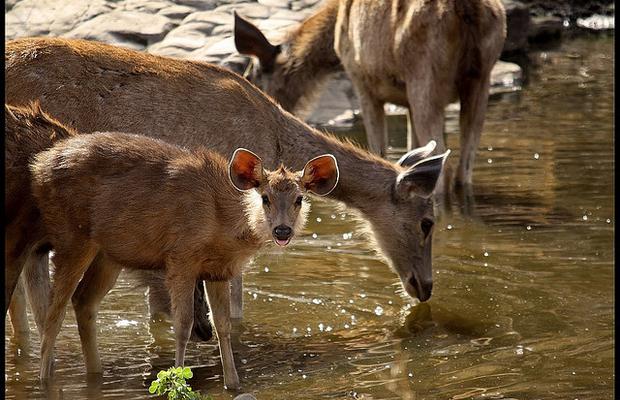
x=522, y=306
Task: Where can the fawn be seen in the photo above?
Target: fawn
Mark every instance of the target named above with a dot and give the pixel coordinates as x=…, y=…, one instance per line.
x=147, y=204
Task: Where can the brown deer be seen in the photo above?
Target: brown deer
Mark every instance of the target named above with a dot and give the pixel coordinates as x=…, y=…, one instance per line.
x=97, y=87
x=147, y=204
x=28, y=131
x=414, y=53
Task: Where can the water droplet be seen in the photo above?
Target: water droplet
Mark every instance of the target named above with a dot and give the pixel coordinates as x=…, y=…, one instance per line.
x=529, y=228
x=318, y=219
x=410, y=374
x=328, y=329
x=490, y=161
x=608, y=221
x=449, y=227
x=294, y=330
x=486, y=254
x=309, y=329
x=585, y=217
x=266, y=269
x=254, y=295
x=486, y=265
x=566, y=23
x=346, y=326
x=490, y=148
x=244, y=361
x=304, y=376
x=321, y=326
x=389, y=301
x=362, y=295
x=332, y=216
x=316, y=301
x=536, y=156
x=314, y=236
x=270, y=299
x=378, y=310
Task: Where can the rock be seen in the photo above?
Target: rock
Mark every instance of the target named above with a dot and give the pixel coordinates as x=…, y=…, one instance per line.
x=147, y=6
x=245, y=396
x=275, y=3
x=188, y=37
x=596, y=22
x=544, y=28
x=247, y=10
x=217, y=18
x=517, y=21
x=506, y=77
x=126, y=27
x=43, y=17
x=176, y=12
x=198, y=4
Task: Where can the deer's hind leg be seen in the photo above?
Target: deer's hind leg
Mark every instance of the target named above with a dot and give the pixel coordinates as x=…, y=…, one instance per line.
x=97, y=281
x=70, y=261
x=19, y=315
x=38, y=286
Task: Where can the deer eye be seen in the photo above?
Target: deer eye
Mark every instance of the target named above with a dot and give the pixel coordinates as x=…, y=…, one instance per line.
x=426, y=225
x=299, y=200
x=265, y=200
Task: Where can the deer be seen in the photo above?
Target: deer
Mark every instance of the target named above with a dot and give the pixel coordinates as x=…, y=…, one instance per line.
x=418, y=54
x=148, y=204
x=29, y=130
x=93, y=86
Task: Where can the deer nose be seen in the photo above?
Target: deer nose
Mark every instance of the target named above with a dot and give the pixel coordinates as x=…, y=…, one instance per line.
x=423, y=287
x=282, y=232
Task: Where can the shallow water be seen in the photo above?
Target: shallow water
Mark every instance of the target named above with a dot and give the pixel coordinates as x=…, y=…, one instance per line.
x=523, y=300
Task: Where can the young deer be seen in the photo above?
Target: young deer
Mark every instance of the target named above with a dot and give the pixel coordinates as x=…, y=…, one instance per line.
x=147, y=204
x=413, y=53
x=29, y=131
x=97, y=87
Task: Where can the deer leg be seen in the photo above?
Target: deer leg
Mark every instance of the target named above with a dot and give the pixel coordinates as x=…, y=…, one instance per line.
x=97, y=281
x=19, y=315
x=412, y=140
x=474, y=96
x=69, y=267
x=37, y=278
x=426, y=105
x=236, y=297
x=373, y=116
x=181, y=289
x=219, y=302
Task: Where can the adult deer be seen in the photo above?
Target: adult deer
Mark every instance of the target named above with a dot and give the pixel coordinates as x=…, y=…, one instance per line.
x=414, y=53
x=97, y=87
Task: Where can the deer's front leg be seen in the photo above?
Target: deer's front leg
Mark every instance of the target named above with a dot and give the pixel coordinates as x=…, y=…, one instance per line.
x=236, y=297
x=219, y=302
x=181, y=288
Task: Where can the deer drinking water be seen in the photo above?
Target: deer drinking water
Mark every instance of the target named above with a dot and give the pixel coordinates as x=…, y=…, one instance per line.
x=97, y=87
x=29, y=130
x=147, y=204
x=418, y=54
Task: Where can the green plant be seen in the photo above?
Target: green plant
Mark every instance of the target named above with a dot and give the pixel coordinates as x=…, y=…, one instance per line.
x=172, y=382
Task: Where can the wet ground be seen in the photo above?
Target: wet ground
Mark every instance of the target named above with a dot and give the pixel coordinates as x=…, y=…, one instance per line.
x=523, y=299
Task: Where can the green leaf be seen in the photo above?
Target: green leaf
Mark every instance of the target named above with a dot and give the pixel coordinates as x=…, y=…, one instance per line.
x=153, y=388
x=187, y=373
x=161, y=374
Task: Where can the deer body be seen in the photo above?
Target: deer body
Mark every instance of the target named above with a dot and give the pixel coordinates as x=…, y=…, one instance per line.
x=414, y=53
x=147, y=204
x=93, y=86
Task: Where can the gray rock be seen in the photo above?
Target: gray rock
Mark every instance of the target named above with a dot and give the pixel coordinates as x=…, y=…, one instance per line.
x=518, y=20
x=176, y=12
x=147, y=6
x=213, y=17
x=135, y=27
x=43, y=17
x=275, y=3
x=198, y=4
x=247, y=10
x=245, y=396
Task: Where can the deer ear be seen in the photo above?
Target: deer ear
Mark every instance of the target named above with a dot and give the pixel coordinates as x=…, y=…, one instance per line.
x=320, y=175
x=250, y=40
x=422, y=177
x=416, y=155
x=245, y=170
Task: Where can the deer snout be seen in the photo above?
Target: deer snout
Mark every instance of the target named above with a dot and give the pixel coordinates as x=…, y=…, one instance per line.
x=282, y=235
x=423, y=287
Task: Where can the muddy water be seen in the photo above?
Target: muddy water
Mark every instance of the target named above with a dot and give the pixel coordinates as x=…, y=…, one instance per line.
x=524, y=279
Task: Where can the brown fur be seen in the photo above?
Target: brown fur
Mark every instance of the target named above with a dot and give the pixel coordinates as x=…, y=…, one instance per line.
x=415, y=53
x=147, y=204
x=97, y=87
x=29, y=130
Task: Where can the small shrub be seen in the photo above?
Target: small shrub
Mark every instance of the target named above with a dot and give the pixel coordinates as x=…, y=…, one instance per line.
x=172, y=382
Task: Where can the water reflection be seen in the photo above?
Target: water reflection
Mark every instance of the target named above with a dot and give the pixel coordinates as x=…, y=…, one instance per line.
x=522, y=305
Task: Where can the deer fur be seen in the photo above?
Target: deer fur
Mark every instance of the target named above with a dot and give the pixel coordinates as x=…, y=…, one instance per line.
x=147, y=204
x=97, y=87
x=29, y=130
x=414, y=53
